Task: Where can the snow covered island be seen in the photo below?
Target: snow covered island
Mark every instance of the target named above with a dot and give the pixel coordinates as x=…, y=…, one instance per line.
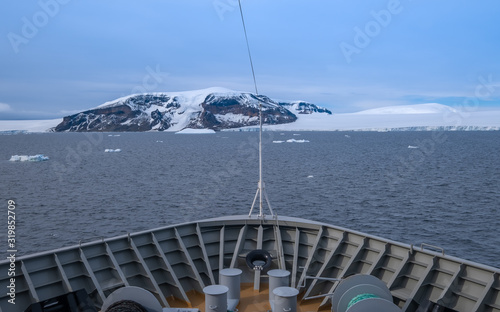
x=216, y=109
x=213, y=108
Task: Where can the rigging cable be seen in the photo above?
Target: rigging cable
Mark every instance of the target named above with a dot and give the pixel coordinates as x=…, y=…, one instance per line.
x=248, y=48
x=260, y=188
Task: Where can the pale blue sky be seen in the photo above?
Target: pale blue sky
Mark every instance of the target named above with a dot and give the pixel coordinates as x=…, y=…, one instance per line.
x=58, y=57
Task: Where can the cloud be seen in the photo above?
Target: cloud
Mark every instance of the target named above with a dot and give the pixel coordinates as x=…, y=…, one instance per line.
x=4, y=107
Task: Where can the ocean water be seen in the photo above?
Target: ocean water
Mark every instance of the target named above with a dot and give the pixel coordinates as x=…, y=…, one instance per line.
x=439, y=188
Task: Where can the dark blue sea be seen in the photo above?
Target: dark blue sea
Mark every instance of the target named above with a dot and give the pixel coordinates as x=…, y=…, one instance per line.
x=439, y=188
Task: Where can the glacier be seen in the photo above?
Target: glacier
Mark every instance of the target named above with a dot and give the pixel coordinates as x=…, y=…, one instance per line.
x=182, y=106
x=195, y=131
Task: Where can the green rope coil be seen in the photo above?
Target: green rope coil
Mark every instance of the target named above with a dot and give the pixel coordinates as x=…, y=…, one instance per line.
x=359, y=298
x=126, y=306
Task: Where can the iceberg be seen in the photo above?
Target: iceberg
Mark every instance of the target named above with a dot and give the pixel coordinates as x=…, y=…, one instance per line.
x=195, y=131
x=292, y=141
x=34, y=158
x=297, y=141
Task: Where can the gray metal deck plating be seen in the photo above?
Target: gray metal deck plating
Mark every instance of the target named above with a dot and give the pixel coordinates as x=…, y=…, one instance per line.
x=176, y=262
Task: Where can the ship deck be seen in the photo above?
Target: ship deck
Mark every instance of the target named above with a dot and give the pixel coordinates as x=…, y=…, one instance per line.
x=252, y=300
x=175, y=263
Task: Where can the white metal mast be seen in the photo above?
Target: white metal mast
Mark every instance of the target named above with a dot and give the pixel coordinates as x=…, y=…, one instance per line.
x=260, y=189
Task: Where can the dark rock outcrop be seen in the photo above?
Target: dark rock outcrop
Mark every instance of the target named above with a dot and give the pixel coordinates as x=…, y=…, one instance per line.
x=104, y=119
x=301, y=107
x=202, y=110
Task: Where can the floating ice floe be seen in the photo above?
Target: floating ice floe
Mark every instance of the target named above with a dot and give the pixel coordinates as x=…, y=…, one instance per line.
x=310, y=176
x=35, y=158
x=195, y=131
x=412, y=146
x=113, y=135
x=297, y=141
x=110, y=150
x=278, y=141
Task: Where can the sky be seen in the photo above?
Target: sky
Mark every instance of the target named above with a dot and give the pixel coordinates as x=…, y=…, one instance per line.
x=59, y=57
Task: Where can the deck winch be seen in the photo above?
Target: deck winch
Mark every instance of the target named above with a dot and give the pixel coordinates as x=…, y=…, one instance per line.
x=133, y=298
x=363, y=293
x=126, y=305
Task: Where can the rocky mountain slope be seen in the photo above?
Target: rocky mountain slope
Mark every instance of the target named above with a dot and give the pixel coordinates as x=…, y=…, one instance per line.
x=213, y=108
